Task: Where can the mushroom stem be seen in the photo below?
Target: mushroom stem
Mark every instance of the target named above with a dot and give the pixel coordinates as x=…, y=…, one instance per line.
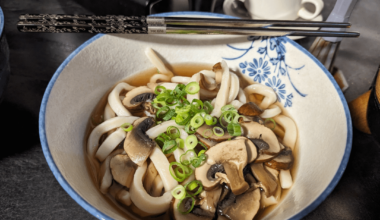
x=288, y=124
x=181, y=79
x=208, y=73
x=271, y=112
x=234, y=87
x=286, y=179
x=108, y=112
x=145, y=202
x=114, y=99
x=93, y=140
x=195, y=78
x=222, y=97
x=205, y=94
x=267, y=201
x=270, y=95
x=110, y=144
x=241, y=96
x=162, y=165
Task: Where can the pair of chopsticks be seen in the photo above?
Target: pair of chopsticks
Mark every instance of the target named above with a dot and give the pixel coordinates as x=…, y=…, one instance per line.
x=51, y=23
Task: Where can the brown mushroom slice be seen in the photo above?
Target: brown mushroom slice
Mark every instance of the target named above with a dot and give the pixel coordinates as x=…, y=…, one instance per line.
x=264, y=139
x=246, y=206
x=150, y=175
x=217, y=68
x=124, y=197
x=122, y=169
x=282, y=161
x=228, y=156
x=134, y=98
x=201, y=131
x=208, y=143
x=209, y=202
x=267, y=181
x=251, y=151
x=207, y=82
x=178, y=216
x=250, y=109
x=137, y=144
x=286, y=179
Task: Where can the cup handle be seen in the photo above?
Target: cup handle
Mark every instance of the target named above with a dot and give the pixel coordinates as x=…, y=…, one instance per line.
x=307, y=15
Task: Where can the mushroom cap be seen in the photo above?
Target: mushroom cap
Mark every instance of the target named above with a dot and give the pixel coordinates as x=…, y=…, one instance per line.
x=200, y=131
x=283, y=161
x=208, y=143
x=210, y=199
x=251, y=149
x=134, y=98
x=246, y=206
x=217, y=68
x=250, y=109
x=268, y=182
x=207, y=82
x=122, y=169
x=263, y=137
x=137, y=144
x=232, y=155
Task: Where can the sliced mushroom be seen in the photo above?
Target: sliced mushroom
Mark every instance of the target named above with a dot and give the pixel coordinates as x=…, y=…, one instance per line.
x=267, y=181
x=246, y=206
x=267, y=201
x=150, y=175
x=178, y=216
x=251, y=151
x=105, y=176
x=250, y=109
x=207, y=82
x=209, y=201
x=205, y=94
x=208, y=143
x=232, y=156
x=263, y=137
x=134, y=98
x=250, y=180
x=124, y=197
x=201, y=131
x=137, y=144
x=122, y=169
x=217, y=68
x=286, y=179
x=283, y=161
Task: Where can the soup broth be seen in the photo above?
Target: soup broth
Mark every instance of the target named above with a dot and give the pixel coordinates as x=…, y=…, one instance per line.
x=141, y=79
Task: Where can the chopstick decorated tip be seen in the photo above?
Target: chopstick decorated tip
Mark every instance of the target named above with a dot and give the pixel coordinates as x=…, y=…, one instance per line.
x=50, y=23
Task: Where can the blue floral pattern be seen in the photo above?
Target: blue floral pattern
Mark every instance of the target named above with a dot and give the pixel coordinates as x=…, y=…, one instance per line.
x=270, y=68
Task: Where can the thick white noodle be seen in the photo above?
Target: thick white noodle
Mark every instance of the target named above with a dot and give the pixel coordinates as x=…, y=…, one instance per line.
x=286, y=179
x=108, y=112
x=271, y=112
x=181, y=79
x=270, y=96
x=165, y=74
x=162, y=165
x=114, y=99
x=93, y=140
x=205, y=94
x=208, y=73
x=161, y=128
x=221, y=98
x=157, y=187
x=195, y=78
x=290, y=128
x=236, y=104
x=106, y=179
x=124, y=197
x=170, y=86
x=144, y=201
x=241, y=96
x=110, y=144
x=234, y=88
x=213, y=102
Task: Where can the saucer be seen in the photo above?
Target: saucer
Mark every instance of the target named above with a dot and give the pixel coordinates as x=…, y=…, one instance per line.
x=236, y=8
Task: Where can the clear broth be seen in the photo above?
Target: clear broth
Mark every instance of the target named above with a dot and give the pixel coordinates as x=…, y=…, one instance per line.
x=141, y=79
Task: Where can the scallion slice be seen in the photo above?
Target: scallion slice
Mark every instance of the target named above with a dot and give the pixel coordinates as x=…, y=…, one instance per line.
x=218, y=131
x=127, y=127
x=179, y=192
x=201, y=152
x=159, y=89
x=197, y=121
x=169, y=115
x=189, y=129
x=169, y=147
x=191, y=141
x=187, y=157
x=182, y=118
x=196, y=105
x=210, y=120
x=234, y=129
x=270, y=120
x=228, y=108
x=180, y=143
x=208, y=107
x=192, y=88
x=172, y=172
x=207, y=133
x=192, y=186
x=182, y=207
x=162, y=111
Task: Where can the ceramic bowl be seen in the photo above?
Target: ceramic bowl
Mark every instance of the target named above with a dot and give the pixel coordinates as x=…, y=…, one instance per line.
x=305, y=88
x=4, y=58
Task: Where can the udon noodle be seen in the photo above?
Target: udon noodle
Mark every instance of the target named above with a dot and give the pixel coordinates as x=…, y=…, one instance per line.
x=199, y=147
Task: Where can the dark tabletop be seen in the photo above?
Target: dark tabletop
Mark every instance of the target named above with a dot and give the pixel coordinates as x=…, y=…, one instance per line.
x=28, y=189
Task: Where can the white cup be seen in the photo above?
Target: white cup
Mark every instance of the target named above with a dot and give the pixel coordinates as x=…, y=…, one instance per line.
x=282, y=9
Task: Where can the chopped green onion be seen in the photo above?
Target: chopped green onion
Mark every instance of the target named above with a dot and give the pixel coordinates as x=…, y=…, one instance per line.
x=227, y=117
x=180, y=143
x=160, y=141
x=197, y=121
x=196, y=105
x=270, y=120
x=127, y=127
x=201, y=152
x=164, y=136
x=181, y=205
x=159, y=104
x=203, y=145
x=169, y=147
x=185, y=101
x=228, y=108
x=192, y=186
x=172, y=172
x=187, y=157
x=179, y=90
x=169, y=115
x=172, y=101
x=184, y=109
x=191, y=141
x=234, y=129
x=237, y=117
x=162, y=111
x=218, y=131
x=182, y=118
x=178, y=172
x=192, y=88
x=210, y=120
x=159, y=89
x=208, y=107
x=209, y=131
x=179, y=192
x=189, y=129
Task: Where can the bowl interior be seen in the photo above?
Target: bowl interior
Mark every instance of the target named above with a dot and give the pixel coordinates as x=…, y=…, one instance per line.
x=309, y=95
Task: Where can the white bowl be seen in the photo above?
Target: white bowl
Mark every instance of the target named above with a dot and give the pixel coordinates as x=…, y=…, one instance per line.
x=304, y=86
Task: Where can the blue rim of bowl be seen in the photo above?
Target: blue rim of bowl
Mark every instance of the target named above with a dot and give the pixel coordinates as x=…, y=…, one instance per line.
x=1, y=21
x=95, y=212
